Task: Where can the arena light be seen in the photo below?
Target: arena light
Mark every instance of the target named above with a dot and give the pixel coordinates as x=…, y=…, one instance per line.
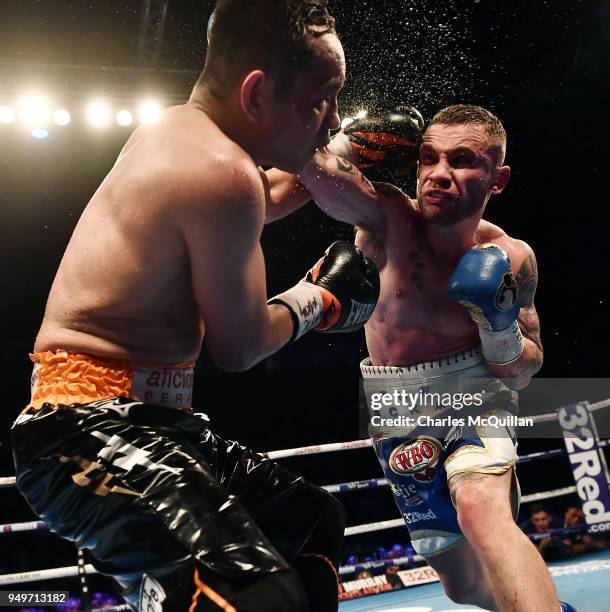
x=149, y=111
x=347, y=121
x=7, y=114
x=40, y=133
x=124, y=118
x=98, y=113
x=61, y=116
x=362, y=114
x=34, y=110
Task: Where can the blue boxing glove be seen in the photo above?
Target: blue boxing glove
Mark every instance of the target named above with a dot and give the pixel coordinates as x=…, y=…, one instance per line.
x=482, y=282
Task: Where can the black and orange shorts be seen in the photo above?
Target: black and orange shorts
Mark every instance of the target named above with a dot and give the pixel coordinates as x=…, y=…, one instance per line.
x=153, y=493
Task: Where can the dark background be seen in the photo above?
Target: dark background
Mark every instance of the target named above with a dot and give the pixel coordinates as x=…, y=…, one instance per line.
x=543, y=67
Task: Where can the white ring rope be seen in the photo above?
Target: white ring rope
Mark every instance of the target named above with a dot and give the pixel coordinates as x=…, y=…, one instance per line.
x=40, y=526
x=46, y=574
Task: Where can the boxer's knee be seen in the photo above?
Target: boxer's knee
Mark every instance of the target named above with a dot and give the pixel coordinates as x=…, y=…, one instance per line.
x=327, y=536
x=332, y=525
x=318, y=563
x=281, y=590
x=481, y=509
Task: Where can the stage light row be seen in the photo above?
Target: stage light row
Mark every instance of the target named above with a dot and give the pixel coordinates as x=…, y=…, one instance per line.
x=36, y=113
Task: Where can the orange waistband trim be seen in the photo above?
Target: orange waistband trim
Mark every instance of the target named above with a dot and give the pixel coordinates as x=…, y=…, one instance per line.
x=66, y=378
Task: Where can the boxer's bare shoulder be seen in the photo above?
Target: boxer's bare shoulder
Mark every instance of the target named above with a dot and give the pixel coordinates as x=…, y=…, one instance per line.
x=398, y=212
x=520, y=253
x=124, y=288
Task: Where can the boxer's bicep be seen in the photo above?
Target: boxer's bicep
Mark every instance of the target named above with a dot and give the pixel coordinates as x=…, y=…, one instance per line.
x=343, y=192
x=228, y=276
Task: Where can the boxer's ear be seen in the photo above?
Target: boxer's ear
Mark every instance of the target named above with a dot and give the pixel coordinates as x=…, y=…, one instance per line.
x=501, y=178
x=252, y=94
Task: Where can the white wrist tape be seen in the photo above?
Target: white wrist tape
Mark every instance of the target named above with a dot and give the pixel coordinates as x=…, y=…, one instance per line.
x=304, y=301
x=503, y=346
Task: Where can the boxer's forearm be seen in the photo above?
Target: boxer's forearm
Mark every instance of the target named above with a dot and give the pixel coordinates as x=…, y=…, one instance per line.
x=518, y=373
x=342, y=191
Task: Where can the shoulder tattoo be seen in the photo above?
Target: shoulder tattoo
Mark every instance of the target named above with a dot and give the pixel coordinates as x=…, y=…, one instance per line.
x=527, y=280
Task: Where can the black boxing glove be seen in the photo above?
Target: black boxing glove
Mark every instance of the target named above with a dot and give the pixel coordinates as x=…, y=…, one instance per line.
x=386, y=146
x=338, y=294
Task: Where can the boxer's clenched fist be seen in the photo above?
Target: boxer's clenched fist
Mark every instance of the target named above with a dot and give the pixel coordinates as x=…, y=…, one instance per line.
x=483, y=283
x=349, y=282
x=386, y=147
x=338, y=294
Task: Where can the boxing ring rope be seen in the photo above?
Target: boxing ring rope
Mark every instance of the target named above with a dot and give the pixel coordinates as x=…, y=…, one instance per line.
x=337, y=488
x=72, y=571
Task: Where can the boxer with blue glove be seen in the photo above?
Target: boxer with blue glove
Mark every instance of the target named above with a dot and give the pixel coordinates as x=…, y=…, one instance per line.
x=456, y=307
x=484, y=284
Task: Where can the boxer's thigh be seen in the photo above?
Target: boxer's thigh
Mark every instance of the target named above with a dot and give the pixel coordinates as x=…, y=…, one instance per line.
x=285, y=506
x=140, y=500
x=485, y=460
x=415, y=472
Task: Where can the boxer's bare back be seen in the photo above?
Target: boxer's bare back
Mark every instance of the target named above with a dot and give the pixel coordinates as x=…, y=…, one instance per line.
x=125, y=287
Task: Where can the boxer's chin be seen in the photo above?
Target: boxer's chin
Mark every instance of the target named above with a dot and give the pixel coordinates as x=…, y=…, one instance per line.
x=447, y=214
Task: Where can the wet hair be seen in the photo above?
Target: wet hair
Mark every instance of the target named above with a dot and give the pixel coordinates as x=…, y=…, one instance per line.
x=461, y=114
x=273, y=35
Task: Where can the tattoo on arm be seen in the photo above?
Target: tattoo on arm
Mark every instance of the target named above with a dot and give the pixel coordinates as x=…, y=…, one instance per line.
x=527, y=281
x=345, y=166
x=530, y=326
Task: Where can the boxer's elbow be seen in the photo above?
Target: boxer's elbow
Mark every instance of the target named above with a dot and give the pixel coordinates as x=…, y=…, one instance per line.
x=231, y=356
x=233, y=361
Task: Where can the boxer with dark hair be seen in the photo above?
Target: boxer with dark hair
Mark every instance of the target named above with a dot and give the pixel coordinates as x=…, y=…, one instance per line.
x=279, y=37
x=109, y=452
x=456, y=312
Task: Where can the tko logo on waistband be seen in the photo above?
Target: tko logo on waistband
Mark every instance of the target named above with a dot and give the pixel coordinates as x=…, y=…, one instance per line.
x=415, y=455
